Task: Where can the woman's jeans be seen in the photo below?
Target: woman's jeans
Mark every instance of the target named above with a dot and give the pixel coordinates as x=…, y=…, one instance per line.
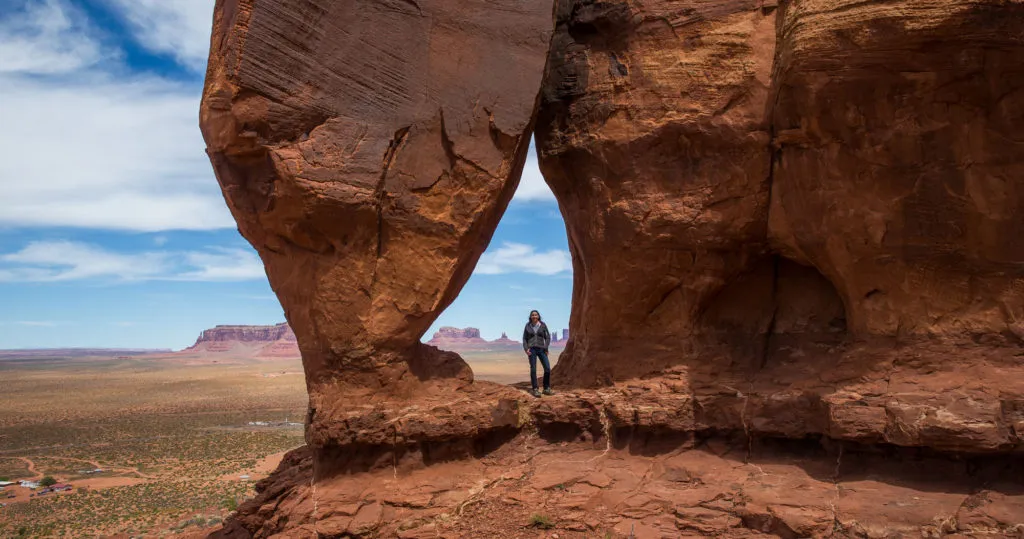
x=543, y=355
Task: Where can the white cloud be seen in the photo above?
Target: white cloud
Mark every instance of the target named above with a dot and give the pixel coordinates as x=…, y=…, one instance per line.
x=91, y=145
x=180, y=28
x=532, y=186
x=518, y=257
x=86, y=148
x=223, y=265
x=36, y=323
x=51, y=261
x=47, y=37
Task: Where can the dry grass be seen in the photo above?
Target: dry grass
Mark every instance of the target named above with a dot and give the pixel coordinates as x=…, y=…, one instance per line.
x=183, y=430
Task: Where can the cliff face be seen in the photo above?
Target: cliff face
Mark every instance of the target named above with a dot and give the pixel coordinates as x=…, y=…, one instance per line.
x=799, y=175
x=796, y=221
x=257, y=334
x=255, y=341
x=449, y=332
x=653, y=137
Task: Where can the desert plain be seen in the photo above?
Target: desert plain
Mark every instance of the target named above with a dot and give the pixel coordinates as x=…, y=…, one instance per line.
x=180, y=438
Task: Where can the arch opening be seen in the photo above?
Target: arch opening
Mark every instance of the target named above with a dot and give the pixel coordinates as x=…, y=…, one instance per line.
x=526, y=266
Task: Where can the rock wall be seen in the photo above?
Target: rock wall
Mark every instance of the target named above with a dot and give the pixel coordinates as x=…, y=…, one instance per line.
x=654, y=139
x=767, y=177
x=898, y=142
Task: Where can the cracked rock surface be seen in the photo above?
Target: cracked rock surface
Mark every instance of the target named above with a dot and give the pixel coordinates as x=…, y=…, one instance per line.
x=758, y=176
x=367, y=149
x=797, y=243
x=714, y=488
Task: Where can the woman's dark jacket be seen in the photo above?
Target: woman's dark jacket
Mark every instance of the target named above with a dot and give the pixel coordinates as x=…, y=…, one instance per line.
x=540, y=339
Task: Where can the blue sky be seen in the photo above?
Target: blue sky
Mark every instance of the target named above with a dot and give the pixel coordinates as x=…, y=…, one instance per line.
x=113, y=232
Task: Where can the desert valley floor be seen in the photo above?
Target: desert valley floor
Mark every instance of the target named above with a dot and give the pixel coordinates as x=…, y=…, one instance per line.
x=181, y=438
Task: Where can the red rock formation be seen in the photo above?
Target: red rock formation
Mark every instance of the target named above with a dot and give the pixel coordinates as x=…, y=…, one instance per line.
x=625, y=462
x=653, y=137
x=256, y=341
x=367, y=150
x=505, y=342
x=768, y=179
x=786, y=223
x=257, y=334
x=467, y=334
x=897, y=149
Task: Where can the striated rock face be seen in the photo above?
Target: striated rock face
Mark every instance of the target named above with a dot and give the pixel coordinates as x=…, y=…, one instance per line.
x=768, y=179
x=654, y=139
x=898, y=142
x=367, y=150
x=626, y=461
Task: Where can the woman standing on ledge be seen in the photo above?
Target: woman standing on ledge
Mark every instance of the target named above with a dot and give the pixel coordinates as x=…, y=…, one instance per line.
x=536, y=340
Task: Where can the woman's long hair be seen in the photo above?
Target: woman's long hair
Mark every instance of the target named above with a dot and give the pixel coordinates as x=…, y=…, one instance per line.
x=539, y=319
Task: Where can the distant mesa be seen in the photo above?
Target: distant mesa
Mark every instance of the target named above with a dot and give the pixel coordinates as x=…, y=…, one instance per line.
x=458, y=339
x=505, y=341
x=278, y=341
x=258, y=342
x=463, y=334
x=468, y=339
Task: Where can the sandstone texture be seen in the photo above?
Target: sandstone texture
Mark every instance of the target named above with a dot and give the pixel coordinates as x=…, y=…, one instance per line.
x=653, y=137
x=367, y=150
x=795, y=231
x=776, y=177
x=615, y=481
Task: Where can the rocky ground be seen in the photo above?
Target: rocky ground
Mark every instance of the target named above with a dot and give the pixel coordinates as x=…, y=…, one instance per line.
x=900, y=448
x=715, y=487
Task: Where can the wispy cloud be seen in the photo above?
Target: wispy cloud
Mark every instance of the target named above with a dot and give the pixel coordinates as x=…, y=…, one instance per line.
x=92, y=146
x=37, y=323
x=223, y=265
x=48, y=37
x=519, y=257
x=53, y=261
x=179, y=28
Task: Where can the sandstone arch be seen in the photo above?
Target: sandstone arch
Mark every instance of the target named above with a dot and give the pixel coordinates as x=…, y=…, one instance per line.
x=706, y=156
